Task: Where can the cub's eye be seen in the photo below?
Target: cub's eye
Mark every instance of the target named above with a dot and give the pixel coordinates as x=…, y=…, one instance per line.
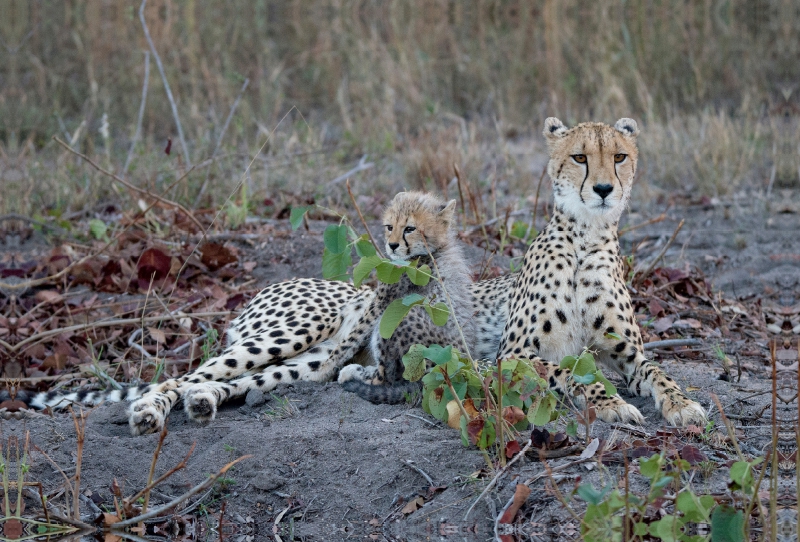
x=619, y=158
x=580, y=158
x=389, y=228
x=409, y=229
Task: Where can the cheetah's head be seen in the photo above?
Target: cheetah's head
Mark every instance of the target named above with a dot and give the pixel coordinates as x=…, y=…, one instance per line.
x=592, y=166
x=417, y=224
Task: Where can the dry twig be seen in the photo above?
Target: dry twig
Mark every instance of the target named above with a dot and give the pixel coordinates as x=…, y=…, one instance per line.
x=166, y=85
x=497, y=476
x=130, y=186
x=177, y=500
x=364, y=222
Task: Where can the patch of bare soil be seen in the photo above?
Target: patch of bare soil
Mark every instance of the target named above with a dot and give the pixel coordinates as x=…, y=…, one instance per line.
x=328, y=466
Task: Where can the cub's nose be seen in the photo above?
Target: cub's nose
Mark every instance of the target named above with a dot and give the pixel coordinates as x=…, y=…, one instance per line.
x=603, y=190
x=394, y=246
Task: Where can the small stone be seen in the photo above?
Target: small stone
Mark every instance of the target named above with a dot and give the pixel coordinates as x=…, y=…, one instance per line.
x=267, y=481
x=255, y=398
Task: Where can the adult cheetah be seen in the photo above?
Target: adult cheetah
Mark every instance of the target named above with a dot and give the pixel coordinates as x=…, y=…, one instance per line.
x=569, y=294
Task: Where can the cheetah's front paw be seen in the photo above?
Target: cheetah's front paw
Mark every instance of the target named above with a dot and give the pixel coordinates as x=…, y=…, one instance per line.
x=615, y=409
x=681, y=411
x=144, y=417
x=200, y=404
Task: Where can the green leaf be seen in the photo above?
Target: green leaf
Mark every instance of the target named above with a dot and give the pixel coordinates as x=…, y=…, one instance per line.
x=666, y=528
x=364, y=247
x=419, y=276
x=640, y=528
x=544, y=410
x=439, y=313
x=651, y=467
x=335, y=238
x=414, y=363
x=438, y=404
x=98, y=228
x=572, y=428
x=412, y=299
x=519, y=230
x=335, y=266
x=611, y=389
x=438, y=354
x=588, y=493
x=392, y=317
x=727, y=524
x=364, y=268
x=585, y=379
x=389, y=273
x=615, y=336
x=693, y=507
x=487, y=436
x=296, y=215
x=585, y=364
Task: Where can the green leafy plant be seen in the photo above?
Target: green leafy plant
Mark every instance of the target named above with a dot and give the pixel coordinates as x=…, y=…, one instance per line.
x=612, y=514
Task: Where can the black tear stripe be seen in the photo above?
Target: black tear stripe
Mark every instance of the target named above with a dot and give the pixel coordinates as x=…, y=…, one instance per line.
x=580, y=191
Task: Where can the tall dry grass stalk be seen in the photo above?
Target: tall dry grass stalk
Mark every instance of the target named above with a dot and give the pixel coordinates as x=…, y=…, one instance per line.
x=387, y=79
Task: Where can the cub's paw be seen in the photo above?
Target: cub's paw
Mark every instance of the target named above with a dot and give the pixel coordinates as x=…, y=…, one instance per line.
x=681, y=411
x=144, y=417
x=354, y=372
x=615, y=409
x=200, y=404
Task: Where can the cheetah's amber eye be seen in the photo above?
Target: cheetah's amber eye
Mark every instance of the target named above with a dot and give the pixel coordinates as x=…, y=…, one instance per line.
x=389, y=227
x=619, y=158
x=580, y=158
x=409, y=229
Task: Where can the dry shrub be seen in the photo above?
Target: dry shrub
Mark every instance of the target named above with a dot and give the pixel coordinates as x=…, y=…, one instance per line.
x=712, y=153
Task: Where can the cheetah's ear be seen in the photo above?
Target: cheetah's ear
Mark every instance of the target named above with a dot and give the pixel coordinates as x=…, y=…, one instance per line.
x=554, y=129
x=448, y=211
x=627, y=127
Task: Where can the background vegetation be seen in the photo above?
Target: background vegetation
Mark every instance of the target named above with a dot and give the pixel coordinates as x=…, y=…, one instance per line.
x=416, y=85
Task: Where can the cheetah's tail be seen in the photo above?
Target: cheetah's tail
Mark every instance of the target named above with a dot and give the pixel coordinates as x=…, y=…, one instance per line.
x=57, y=399
x=391, y=395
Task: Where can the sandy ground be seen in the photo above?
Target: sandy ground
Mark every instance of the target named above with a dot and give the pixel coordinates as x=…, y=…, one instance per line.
x=334, y=467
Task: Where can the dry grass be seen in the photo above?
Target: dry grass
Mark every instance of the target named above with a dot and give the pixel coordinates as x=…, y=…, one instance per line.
x=415, y=84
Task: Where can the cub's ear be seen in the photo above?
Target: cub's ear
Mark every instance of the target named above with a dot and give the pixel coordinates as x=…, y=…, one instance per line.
x=554, y=129
x=627, y=127
x=448, y=211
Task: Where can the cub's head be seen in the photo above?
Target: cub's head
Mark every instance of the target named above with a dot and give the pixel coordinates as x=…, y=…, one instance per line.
x=592, y=166
x=416, y=223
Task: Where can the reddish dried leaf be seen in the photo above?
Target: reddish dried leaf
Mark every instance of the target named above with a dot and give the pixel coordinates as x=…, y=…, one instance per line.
x=520, y=496
x=234, y=301
x=692, y=454
x=215, y=255
x=153, y=264
x=168, y=148
x=512, y=448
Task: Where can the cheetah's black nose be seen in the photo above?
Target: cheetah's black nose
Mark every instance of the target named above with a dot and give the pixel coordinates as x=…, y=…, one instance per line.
x=603, y=190
x=394, y=246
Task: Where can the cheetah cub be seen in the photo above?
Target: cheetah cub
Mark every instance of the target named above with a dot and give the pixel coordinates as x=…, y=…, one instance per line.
x=417, y=225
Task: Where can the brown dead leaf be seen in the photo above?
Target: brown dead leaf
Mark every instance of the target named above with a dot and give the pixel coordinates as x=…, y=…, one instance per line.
x=215, y=255
x=249, y=266
x=413, y=506
x=57, y=362
x=474, y=429
x=48, y=296
x=512, y=448
x=520, y=496
x=153, y=265
x=513, y=415
x=158, y=335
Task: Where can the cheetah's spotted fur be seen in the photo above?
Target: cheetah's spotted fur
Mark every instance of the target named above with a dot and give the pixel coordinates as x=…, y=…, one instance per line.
x=569, y=294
